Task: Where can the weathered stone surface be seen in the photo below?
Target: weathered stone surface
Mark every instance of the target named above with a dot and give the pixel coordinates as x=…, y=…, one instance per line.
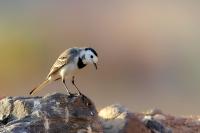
x=160, y=122
x=155, y=126
x=60, y=113
x=117, y=119
x=56, y=113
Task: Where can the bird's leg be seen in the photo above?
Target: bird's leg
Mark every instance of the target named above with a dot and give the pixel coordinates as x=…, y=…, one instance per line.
x=75, y=85
x=63, y=80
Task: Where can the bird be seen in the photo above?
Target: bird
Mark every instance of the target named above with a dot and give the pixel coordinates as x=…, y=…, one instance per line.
x=71, y=60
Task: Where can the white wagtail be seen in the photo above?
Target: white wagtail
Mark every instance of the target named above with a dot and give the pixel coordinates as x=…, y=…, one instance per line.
x=67, y=63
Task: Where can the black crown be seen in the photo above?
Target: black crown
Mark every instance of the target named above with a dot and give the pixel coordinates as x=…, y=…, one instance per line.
x=91, y=49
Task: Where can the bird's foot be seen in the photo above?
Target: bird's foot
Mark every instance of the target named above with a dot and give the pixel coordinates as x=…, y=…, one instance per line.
x=74, y=94
x=69, y=93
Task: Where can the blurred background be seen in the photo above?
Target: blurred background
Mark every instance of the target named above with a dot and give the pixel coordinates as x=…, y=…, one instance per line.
x=148, y=51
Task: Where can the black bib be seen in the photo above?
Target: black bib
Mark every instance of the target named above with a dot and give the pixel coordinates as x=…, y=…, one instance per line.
x=80, y=63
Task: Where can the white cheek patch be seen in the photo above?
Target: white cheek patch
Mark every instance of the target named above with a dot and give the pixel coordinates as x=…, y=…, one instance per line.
x=88, y=58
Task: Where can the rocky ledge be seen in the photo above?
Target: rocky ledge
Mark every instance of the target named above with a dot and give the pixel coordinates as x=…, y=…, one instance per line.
x=118, y=119
x=56, y=113
x=60, y=113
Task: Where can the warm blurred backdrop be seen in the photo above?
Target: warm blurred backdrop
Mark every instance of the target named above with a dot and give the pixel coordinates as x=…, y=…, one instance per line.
x=148, y=51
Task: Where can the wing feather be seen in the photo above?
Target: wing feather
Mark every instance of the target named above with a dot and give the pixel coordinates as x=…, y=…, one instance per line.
x=66, y=57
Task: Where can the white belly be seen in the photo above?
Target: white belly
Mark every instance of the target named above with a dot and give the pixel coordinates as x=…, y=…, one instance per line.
x=68, y=70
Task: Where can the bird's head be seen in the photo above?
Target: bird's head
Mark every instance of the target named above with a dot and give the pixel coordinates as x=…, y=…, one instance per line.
x=90, y=56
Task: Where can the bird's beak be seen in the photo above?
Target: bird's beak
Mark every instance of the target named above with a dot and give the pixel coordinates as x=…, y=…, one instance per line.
x=95, y=65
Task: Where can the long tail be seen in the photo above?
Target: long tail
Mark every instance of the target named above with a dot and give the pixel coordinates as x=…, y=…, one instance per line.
x=39, y=87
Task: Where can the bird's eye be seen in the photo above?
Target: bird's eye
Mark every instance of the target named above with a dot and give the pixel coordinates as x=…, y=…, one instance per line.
x=91, y=56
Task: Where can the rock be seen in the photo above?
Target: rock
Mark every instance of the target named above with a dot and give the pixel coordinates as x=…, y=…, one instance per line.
x=159, y=117
x=165, y=123
x=117, y=119
x=60, y=113
x=154, y=111
x=155, y=125
x=183, y=124
x=56, y=113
